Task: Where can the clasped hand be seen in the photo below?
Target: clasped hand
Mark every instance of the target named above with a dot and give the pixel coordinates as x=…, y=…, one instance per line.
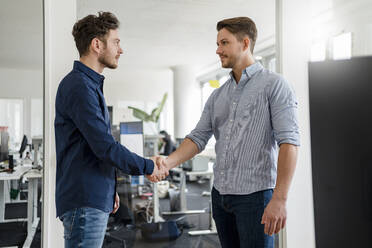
x=160, y=172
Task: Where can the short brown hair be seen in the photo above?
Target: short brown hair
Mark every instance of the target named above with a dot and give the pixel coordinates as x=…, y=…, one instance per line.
x=92, y=26
x=240, y=27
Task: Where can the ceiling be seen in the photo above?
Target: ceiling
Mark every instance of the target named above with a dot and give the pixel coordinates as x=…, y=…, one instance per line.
x=154, y=33
x=166, y=33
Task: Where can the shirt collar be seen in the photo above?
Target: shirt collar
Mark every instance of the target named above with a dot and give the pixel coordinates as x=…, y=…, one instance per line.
x=248, y=72
x=252, y=69
x=95, y=76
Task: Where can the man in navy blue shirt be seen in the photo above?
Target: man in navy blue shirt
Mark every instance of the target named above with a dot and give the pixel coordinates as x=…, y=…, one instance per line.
x=87, y=154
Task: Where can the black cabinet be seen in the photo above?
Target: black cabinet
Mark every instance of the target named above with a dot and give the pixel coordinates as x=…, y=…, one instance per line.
x=341, y=144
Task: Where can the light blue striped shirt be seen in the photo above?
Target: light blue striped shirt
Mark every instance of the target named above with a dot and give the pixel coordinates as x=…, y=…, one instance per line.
x=249, y=120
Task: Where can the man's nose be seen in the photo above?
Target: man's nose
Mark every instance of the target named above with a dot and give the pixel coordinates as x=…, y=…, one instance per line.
x=218, y=50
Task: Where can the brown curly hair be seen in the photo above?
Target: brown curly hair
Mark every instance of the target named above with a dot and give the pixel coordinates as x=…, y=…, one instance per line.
x=92, y=26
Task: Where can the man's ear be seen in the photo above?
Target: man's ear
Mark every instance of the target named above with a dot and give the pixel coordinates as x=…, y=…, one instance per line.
x=246, y=43
x=96, y=45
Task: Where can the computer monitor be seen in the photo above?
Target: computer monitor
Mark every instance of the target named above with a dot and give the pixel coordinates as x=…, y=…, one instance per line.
x=23, y=146
x=4, y=139
x=131, y=136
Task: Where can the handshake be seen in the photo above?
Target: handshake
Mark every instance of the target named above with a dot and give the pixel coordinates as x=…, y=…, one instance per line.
x=161, y=170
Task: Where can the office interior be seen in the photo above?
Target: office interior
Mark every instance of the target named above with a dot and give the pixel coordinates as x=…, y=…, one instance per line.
x=322, y=48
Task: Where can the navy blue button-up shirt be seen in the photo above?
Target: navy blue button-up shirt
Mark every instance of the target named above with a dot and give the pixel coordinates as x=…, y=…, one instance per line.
x=87, y=154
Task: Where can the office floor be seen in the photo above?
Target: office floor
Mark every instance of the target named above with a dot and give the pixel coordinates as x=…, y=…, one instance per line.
x=192, y=222
x=14, y=233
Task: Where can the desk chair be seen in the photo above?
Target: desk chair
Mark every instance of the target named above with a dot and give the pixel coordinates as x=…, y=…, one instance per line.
x=183, y=203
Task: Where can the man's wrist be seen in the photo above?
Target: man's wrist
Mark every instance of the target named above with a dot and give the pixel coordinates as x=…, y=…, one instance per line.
x=280, y=196
x=168, y=163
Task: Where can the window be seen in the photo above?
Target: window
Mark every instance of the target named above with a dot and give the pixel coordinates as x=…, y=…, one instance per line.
x=36, y=117
x=11, y=116
x=318, y=51
x=272, y=64
x=342, y=46
x=207, y=89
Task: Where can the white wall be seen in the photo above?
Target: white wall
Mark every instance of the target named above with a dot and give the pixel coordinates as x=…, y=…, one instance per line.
x=139, y=85
x=295, y=54
x=328, y=18
x=333, y=17
x=21, y=83
x=60, y=52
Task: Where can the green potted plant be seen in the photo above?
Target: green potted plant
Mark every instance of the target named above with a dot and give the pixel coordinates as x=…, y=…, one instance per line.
x=155, y=113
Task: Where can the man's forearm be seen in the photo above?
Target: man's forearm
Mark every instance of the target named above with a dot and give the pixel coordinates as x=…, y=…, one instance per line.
x=184, y=152
x=287, y=160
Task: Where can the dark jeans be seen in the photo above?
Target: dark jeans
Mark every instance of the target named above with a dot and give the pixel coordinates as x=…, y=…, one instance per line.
x=84, y=227
x=238, y=219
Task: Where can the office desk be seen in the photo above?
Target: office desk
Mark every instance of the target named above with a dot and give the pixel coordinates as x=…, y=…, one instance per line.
x=212, y=229
x=183, y=174
x=32, y=176
x=4, y=177
x=32, y=203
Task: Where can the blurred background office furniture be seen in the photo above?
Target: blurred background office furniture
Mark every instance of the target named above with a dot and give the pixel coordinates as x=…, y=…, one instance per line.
x=23, y=146
x=202, y=167
x=4, y=143
x=131, y=136
x=212, y=226
x=197, y=164
x=32, y=176
x=151, y=146
x=36, y=144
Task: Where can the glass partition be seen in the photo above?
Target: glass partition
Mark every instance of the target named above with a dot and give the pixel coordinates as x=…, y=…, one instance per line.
x=21, y=122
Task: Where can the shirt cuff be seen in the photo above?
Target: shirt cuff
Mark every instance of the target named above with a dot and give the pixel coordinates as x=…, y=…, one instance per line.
x=149, y=167
x=292, y=141
x=197, y=141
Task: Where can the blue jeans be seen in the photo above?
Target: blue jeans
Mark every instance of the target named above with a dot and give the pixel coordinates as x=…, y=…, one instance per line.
x=238, y=219
x=84, y=227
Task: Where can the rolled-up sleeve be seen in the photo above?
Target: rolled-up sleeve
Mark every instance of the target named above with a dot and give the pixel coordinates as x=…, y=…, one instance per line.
x=203, y=130
x=283, y=111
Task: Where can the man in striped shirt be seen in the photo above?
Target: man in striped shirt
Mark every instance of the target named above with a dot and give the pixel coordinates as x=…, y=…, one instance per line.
x=253, y=118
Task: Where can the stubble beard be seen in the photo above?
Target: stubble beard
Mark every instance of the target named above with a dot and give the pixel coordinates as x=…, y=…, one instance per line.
x=227, y=64
x=104, y=59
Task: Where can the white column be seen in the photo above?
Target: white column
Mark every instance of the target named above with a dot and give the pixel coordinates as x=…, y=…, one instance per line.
x=60, y=52
x=295, y=47
x=187, y=100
